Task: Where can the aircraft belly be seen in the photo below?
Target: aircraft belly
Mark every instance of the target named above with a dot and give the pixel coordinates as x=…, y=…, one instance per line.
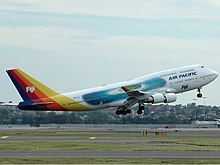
x=115, y=96
x=68, y=104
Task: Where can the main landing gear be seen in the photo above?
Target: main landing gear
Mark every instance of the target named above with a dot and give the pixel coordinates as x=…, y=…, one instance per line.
x=122, y=111
x=199, y=95
x=140, y=109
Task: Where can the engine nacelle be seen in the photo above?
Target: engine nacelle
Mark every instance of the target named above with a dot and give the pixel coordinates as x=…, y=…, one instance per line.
x=156, y=98
x=170, y=97
x=161, y=98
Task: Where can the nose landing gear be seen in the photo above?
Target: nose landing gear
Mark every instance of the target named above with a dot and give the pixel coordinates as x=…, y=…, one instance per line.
x=199, y=95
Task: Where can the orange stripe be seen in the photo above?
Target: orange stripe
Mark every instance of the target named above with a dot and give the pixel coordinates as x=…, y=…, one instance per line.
x=40, y=95
x=28, y=83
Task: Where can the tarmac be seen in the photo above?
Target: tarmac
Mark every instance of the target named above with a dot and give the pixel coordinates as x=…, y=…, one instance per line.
x=185, y=134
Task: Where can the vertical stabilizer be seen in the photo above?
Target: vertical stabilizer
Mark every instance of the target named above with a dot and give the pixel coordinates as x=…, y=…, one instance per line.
x=28, y=87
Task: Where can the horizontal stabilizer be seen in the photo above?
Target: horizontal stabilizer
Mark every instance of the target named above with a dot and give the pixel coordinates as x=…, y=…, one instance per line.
x=10, y=104
x=1, y=102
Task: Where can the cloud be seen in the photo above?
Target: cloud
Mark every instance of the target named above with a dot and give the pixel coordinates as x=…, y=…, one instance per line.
x=215, y=2
x=67, y=41
x=143, y=9
x=43, y=38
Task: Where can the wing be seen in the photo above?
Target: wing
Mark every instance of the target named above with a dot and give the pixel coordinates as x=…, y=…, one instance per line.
x=9, y=105
x=136, y=94
x=128, y=103
x=134, y=97
x=153, y=97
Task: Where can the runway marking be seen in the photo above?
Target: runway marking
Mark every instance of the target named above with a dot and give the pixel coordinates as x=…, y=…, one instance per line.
x=4, y=137
x=92, y=138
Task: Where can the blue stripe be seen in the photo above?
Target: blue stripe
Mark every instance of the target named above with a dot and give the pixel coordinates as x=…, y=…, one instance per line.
x=18, y=87
x=105, y=97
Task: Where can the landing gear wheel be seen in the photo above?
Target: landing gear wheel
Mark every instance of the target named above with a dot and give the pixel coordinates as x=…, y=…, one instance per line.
x=128, y=111
x=124, y=112
x=118, y=112
x=139, y=112
x=141, y=107
x=199, y=95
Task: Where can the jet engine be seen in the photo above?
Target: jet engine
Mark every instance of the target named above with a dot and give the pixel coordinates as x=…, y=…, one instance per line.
x=170, y=97
x=161, y=98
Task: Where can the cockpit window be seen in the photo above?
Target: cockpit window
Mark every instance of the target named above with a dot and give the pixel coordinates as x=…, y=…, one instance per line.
x=202, y=66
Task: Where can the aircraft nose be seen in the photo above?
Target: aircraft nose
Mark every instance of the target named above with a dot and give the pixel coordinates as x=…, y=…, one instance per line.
x=215, y=74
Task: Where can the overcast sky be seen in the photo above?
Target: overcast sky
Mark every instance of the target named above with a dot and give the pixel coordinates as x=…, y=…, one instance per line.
x=75, y=44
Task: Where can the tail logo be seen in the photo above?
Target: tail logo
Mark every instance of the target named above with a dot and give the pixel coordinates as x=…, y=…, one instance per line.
x=30, y=89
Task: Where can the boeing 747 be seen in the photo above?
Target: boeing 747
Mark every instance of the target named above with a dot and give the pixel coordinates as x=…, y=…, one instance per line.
x=160, y=87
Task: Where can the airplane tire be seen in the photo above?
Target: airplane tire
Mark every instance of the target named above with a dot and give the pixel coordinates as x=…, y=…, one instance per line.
x=139, y=112
x=118, y=112
x=141, y=107
x=199, y=95
x=128, y=111
x=124, y=112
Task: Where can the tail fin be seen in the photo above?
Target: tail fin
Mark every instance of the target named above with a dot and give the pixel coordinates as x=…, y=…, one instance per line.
x=28, y=87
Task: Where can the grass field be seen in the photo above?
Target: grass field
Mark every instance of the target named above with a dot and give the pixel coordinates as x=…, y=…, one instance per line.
x=185, y=146
x=99, y=160
x=153, y=143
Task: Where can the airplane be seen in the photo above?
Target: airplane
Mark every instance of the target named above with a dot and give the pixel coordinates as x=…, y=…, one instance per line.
x=159, y=87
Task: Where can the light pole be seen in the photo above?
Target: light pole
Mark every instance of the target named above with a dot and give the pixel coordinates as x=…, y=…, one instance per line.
x=204, y=107
x=195, y=108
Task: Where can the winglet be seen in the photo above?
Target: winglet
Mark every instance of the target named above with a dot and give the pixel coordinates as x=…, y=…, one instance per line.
x=133, y=93
x=126, y=89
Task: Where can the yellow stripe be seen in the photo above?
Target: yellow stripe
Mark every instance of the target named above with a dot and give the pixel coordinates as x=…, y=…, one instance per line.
x=47, y=91
x=64, y=101
x=69, y=103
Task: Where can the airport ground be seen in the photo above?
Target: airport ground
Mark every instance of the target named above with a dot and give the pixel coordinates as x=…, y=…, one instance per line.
x=109, y=145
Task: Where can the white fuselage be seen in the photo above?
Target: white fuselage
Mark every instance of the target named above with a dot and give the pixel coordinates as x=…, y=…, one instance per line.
x=177, y=80
x=160, y=87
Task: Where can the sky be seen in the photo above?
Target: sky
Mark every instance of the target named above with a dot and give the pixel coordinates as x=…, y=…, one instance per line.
x=71, y=45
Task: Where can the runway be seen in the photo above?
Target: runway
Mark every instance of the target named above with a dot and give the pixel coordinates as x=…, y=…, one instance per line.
x=66, y=131
x=155, y=147
x=115, y=154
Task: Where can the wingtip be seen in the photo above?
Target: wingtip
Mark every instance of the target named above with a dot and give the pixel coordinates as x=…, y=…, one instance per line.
x=125, y=89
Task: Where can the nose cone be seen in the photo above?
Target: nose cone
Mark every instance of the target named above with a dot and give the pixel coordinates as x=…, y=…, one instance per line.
x=214, y=73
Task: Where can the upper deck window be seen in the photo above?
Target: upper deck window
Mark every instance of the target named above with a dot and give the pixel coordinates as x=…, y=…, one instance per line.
x=191, y=70
x=169, y=74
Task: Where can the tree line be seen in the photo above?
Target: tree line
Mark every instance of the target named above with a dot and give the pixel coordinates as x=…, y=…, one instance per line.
x=153, y=114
